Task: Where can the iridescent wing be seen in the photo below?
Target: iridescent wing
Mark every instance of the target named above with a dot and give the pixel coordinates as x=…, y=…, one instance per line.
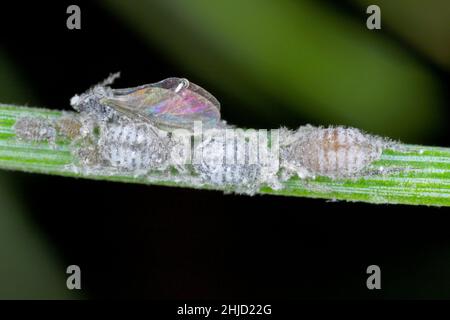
x=168, y=104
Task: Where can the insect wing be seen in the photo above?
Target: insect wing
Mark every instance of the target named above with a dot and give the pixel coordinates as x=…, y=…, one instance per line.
x=171, y=103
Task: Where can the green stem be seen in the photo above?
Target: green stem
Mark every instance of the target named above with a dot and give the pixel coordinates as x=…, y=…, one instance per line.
x=419, y=175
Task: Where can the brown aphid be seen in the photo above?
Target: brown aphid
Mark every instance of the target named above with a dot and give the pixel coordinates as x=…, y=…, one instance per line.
x=35, y=129
x=68, y=127
x=334, y=152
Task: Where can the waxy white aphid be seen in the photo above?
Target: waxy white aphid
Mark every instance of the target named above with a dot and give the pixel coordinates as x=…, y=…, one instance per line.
x=132, y=147
x=169, y=104
x=35, y=129
x=334, y=152
x=89, y=103
x=214, y=166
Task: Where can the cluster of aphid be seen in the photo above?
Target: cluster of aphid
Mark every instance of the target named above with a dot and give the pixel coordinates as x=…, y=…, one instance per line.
x=137, y=131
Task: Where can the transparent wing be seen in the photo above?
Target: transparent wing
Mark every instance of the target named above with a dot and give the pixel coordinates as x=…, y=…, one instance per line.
x=171, y=103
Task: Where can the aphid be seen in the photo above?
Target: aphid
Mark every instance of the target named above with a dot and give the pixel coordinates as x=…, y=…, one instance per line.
x=35, y=129
x=168, y=104
x=130, y=122
x=213, y=167
x=132, y=147
x=86, y=154
x=334, y=152
x=68, y=127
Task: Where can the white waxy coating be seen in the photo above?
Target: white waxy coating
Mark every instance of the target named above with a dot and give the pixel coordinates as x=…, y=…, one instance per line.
x=214, y=168
x=333, y=152
x=132, y=147
x=35, y=129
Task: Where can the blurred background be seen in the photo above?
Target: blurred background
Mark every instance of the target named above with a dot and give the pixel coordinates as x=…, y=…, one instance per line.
x=271, y=64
